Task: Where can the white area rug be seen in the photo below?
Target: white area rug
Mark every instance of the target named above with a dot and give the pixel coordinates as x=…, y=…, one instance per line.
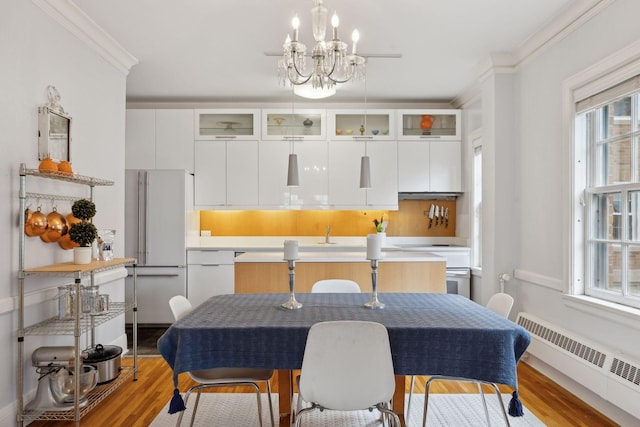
x=240, y=409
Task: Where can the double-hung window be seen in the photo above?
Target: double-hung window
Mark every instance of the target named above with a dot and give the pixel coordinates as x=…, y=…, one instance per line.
x=607, y=127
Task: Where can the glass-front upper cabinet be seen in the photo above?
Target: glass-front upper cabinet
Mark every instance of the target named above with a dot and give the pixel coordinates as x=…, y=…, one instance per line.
x=360, y=124
x=299, y=124
x=429, y=124
x=227, y=124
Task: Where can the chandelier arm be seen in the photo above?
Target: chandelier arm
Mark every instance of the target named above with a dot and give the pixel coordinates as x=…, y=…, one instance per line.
x=295, y=67
x=296, y=81
x=349, y=75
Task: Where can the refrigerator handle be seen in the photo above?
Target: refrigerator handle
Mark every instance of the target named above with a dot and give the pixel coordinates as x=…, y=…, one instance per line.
x=142, y=217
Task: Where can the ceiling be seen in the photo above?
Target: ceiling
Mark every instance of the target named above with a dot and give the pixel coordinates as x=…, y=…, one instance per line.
x=214, y=50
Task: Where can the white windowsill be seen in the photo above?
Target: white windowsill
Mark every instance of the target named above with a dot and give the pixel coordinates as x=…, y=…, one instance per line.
x=615, y=312
x=476, y=271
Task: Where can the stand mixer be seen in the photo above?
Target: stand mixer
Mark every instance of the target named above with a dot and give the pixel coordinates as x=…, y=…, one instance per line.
x=48, y=361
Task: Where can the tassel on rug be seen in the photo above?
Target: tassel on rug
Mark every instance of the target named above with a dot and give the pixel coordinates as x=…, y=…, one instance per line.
x=515, y=406
x=177, y=404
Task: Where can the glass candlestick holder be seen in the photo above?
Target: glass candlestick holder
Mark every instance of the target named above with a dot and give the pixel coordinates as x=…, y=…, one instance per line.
x=292, y=304
x=374, y=303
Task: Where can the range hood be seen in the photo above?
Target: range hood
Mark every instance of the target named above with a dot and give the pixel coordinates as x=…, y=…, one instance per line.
x=427, y=196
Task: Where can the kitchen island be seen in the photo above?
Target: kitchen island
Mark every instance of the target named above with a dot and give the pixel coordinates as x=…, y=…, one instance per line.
x=398, y=271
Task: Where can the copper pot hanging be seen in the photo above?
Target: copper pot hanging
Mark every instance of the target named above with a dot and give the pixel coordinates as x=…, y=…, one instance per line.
x=56, y=227
x=35, y=224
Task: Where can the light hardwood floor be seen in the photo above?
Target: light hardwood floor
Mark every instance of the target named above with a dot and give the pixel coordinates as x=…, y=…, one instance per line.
x=136, y=404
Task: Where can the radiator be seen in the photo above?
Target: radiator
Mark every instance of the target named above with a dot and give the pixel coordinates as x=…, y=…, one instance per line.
x=614, y=377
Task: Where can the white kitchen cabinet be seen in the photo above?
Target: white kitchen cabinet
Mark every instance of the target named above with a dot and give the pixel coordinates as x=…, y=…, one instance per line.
x=174, y=139
x=313, y=171
x=445, y=166
x=209, y=273
x=429, y=166
x=441, y=124
x=227, y=124
x=346, y=125
x=210, y=174
x=140, y=139
x=383, y=158
x=226, y=174
x=344, y=175
x=273, y=161
x=413, y=166
x=159, y=139
x=302, y=124
x=242, y=173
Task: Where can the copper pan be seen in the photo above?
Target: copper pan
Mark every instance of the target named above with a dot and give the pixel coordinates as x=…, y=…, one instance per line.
x=56, y=227
x=36, y=223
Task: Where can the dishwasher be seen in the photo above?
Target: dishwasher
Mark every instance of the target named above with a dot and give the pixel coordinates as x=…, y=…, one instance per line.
x=209, y=273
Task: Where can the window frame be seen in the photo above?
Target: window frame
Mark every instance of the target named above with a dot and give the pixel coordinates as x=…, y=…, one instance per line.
x=582, y=161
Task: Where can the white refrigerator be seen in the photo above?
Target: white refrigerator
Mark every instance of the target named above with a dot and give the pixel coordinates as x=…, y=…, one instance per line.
x=159, y=221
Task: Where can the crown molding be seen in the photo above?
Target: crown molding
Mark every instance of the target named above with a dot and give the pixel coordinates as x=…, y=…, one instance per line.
x=570, y=19
x=71, y=17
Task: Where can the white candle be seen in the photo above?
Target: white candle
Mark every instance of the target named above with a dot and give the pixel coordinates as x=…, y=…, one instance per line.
x=290, y=250
x=374, y=247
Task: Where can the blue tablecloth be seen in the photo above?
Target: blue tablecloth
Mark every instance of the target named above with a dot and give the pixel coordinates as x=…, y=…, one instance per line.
x=430, y=334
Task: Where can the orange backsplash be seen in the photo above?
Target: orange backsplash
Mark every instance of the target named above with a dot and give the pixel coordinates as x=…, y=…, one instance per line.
x=411, y=219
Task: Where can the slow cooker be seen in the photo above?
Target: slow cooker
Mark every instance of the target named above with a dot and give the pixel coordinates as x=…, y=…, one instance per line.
x=106, y=359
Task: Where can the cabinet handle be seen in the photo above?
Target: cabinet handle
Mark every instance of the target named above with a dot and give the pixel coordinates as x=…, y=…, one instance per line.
x=362, y=137
x=154, y=275
x=429, y=137
x=293, y=138
x=225, y=136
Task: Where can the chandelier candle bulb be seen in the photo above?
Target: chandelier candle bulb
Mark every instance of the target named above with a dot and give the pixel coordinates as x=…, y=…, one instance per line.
x=374, y=247
x=290, y=250
x=295, y=23
x=355, y=36
x=335, y=21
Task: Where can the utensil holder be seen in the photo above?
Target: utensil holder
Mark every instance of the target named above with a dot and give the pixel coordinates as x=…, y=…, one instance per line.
x=292, y=304
x=374, y=303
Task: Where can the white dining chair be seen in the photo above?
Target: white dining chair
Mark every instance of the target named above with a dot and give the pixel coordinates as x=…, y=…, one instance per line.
x=335, y=286
x=221, y=377
x=330, y=286
x=333, y=375
x=500, y=304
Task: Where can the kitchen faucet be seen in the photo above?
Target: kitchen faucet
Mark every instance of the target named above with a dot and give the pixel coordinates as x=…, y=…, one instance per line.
x=326, y=236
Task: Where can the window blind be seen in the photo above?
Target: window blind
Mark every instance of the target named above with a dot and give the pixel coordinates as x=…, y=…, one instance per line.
x=626, y=87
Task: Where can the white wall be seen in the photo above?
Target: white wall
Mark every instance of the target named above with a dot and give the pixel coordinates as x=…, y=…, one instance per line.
x=35, y=52
x=531, y=238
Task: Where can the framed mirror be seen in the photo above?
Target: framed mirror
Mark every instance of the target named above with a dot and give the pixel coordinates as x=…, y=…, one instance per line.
x=54, y=129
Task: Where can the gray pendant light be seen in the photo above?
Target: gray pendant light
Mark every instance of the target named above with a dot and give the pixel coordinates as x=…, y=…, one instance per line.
x=292, y=171
x=365, y=172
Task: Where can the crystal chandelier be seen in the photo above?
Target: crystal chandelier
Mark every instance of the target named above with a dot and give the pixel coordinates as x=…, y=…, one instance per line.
x=329, y=64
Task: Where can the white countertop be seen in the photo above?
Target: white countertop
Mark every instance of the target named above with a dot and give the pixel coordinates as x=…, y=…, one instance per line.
x=316, y=243
x=342, y=256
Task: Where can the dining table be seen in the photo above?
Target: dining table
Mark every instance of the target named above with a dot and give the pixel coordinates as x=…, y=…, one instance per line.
x=429, y=334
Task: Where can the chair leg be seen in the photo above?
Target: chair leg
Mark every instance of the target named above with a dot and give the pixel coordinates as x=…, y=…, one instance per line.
x=195, y=407
x=426, y=401
x=259, y=399
x=408, y=413
x=484, y=404
x=388, y=412
x=273, y=423
x=302, y=411
x=504, y=412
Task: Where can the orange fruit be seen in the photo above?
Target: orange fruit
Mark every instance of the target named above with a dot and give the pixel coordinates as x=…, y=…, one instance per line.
x=48, y=166
x=65, y=167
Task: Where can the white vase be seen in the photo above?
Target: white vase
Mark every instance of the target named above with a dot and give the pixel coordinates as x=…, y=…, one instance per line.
x=383, y=239
x=82, y=255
